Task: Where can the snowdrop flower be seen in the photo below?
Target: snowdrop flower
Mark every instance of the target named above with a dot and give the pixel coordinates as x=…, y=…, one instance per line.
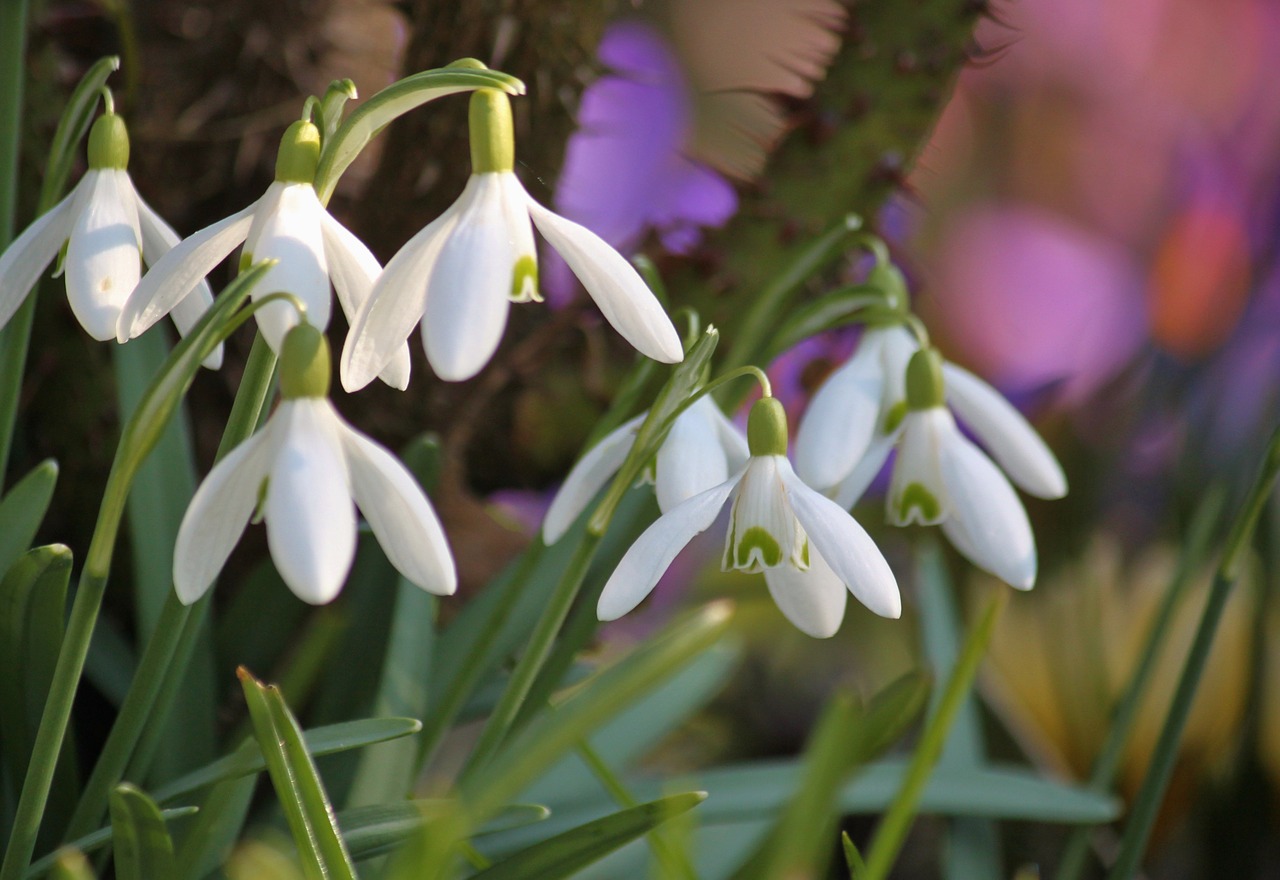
x=809, y=548
x=942, y=478
x=108, y=231
x=459, y=274
x=307, y=470
x=287, y=224
x=857, y=417
x=701, y=450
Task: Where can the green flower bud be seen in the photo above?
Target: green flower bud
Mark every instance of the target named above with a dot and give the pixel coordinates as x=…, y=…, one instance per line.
x=304, y=363
x=299, y=154
x=925, y=388
x=767, y=428
x=109, y=143
x=493, y=144
x=889, y=280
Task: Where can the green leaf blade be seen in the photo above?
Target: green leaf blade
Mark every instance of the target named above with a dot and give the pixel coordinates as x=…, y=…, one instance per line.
x=143, y=849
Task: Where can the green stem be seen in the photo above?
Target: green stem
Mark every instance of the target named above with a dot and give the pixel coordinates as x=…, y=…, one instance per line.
x=163, y=664
x=1075, y=854
x=443, y=715
x=13, y=339
x=760, y=321
x=534, y=656
x=1147, y=805
x=897, y=821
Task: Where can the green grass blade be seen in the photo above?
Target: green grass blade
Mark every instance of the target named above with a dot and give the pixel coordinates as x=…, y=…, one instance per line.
x=23, y=509
x=95, y=841
x=378, y=829
x=298, y=786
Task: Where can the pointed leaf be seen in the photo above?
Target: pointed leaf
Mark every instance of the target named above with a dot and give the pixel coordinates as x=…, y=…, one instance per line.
x=320, y=741
x=298, y=786
x=73, y=126
x=376, y=830
x=23, y=509
x=92, y=842
x=564, y=854
x=142, y=847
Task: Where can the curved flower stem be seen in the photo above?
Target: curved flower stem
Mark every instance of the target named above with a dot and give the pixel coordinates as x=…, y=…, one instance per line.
x=897, y=821
x=758, y=325
x=1147, y=804
x=444, y=713
x=165, y=658
x=534, y=656
x=1105, y=766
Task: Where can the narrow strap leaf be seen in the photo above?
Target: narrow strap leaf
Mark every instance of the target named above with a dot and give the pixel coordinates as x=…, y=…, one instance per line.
x=143, y=849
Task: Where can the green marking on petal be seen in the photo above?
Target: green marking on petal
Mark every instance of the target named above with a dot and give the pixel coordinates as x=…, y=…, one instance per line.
x=802, y=560
x=893, y=418
x=918, y=497
x=260, y=506
x=756, y=549
x=524, y=280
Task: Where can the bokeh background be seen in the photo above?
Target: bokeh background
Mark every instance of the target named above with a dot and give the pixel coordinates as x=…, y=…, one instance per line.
x=1087, y=214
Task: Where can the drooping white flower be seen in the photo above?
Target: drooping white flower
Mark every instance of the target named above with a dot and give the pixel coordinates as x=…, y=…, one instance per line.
x=810, y=549
x=459, y=275
x=109, y=231
x=700, y=451
x=857, y=416
x=287, y=224
x=307, y=470
x=942, y=478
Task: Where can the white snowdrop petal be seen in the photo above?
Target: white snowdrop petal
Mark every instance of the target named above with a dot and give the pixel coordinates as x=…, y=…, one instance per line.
x=158, y=238
x=1006, y=434
x=396, y=303
x=178, y=271
x=400, y=515
x=515, y=214
x=218, y=513
x=845, y=546
x=840, y=421
x=762, y=527
x=849, y=492
x=644, y=563
x=617, y=289
x=986, y=515
x=588, y=477
x=24, y=261
x=104, y=256
x=291, y=234
x=354, y=269
x=813, y=600
x=691, y=459
x=468, y=291
x=311, y=523
x=896, y=345
x=917, y=492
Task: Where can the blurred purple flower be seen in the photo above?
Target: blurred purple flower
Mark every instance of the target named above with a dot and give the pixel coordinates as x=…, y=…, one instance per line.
x=625, y=169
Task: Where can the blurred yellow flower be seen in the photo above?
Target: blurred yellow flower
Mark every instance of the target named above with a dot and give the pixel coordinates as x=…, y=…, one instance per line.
x=1061, y=658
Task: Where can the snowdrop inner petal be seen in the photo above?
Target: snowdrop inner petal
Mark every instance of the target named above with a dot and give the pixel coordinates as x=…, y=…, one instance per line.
x=396, y=303
x=178, y=271
x=617, y=289
x=400, y=515
x=840, y=422
x=311, y=524
x=763, y=531
x=468, y=295
x=691, y=459
x=524, y=280
x=587, y=478
x=26, y=258
x=1006, y=434
x=643, y=564
x=104, y=254
x=813, y=600
x=994, y=531
x=218, y=514
x=845, y=546
x=917, y=492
